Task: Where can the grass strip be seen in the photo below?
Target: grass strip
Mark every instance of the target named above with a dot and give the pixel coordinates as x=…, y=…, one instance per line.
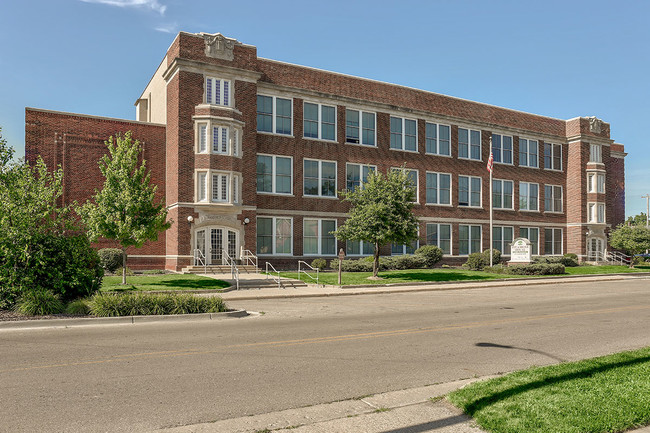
x=605, y=394
x=175, y=282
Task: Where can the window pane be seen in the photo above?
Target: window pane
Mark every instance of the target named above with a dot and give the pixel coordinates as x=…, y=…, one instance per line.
x=463, y=191
x=352, y=126
x=475, y=137
x=432, y=188
x=328, y=115
x=395, y=133
x=496, y=147
x=265, y=235
x=476, y=191
x=352, y=248
x=432, y=234
x=368, y=129
x=444, y=193
x=353, y=176
x=283, y=175
x=311, y=177
x=264, y=173
x=431, y=138
x=328, y=187
x=463, y=143
x=507, y=150
x=410, y=135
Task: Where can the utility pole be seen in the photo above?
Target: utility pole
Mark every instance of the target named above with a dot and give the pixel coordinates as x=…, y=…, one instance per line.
x=647, y=211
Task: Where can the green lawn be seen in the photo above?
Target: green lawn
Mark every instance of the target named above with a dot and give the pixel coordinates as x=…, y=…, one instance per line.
x=606, y=394
x=445, y=274
x=161, y=282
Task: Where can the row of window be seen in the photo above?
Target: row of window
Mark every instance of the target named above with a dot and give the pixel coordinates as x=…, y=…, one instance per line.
x=274, y=237
x=274, y=175
x=217, y=187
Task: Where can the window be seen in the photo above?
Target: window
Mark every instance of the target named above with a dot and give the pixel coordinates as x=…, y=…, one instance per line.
x=360, y=248
x=469, y=191
x=319, y=121
x=356, y=174
x=413, y=177
x=400, y=250
x=596, y=182
x=502, y=148
x=469, y=144
x=438, y=188
x=528, y=196
x=274, y=235
x=201, y=186
x=319, y=178
x=552, y=198
x=440, y=236
x=502, y=191
x=437, y=139
x=595, y=153
x=553, y=241
x=403, y=134
x=469, y=239
x=501, y=239
x=597, y=213
x=317, y=239
x=532, y=234
x=221, y=139
x=217, y=91
x=528, y=153
x=552, y=156
x=360, y=127
x=220, y=186
x=274, y=114
x=274, y=174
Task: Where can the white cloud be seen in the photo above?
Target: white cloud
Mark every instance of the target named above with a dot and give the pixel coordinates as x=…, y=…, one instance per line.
x=146, y=4
x=167, y=28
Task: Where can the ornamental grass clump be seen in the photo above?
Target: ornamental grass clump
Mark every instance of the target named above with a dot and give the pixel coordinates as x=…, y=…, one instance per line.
x=152, y=304
x=40, y=303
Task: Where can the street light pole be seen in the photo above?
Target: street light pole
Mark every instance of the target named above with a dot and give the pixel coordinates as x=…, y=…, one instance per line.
x=647, y=211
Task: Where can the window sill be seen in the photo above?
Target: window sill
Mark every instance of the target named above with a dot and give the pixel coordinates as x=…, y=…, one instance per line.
x=438, y=154
x=403, y=150
x=276, y=134
x=552, y=212
x=470, y=207
x=321, y=140
x=439, y=205
x=528, y=211
x=554, y=169
x=528, y=166
x=470, y=159
x=281, y=194
x=372, y=146
x=319, y=196
x=503, y=209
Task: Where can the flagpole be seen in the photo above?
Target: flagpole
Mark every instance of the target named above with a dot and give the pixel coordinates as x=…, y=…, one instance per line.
x=490, y=167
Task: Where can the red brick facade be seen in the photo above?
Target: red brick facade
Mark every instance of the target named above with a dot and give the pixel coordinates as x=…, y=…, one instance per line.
x=174, y=154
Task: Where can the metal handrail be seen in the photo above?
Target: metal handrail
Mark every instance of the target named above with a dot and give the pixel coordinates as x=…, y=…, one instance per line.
x=200, y=258
x=619, y=257
x=268, y=274
x=247, y=257
x=307, y=273
x=234, y=270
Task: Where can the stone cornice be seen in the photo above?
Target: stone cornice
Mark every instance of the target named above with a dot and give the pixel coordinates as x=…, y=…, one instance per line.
x=202, y=68
x=590, y=139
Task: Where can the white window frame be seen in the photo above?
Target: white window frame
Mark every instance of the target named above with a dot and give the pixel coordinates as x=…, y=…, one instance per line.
x=274, y=174
x=553, y=199
x=275, y=235
x=361, y=127
x=470, y=144
x=437, y=202
x=417, y=180
x=501, y=149
x=469, y=240
x=361, y=167
x=201, y=179
x=403, y=134
x=534, y=253
x=362, y=245
x=596, y=153
x=210, y=96
x=205, y=188
x=596, y=182
x=320, y=178
x=554, y=241
x=512, y=199
x=413, y=245
x=437, y=139
x=528, y=197
x=553, y=148
x=319, y=121
x=451, y=236
x=470, y=191
x=528, y=153
x=596, y=213
x=502, y=241
x=319, y=237
x=205, y=143
x=274, y=115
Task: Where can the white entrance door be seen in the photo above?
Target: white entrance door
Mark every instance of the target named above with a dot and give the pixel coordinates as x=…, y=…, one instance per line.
x=595, y=250
x=212, y=241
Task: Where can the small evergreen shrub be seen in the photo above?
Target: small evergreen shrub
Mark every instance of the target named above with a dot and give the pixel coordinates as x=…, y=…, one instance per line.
x=431, y=253
x=110, y=258
x=39, y=303
x=319, y=264
x=532, y=269
x=565, y=260
x=79, y=307
x=478, y=261
x=145, y=304
x=129, y=272
x=408, y=261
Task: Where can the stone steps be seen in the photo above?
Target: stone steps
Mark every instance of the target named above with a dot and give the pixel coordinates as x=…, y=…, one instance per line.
x=220, y=269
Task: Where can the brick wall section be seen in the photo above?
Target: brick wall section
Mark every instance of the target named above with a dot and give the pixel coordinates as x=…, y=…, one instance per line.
x=76, y=143
x=615, y=188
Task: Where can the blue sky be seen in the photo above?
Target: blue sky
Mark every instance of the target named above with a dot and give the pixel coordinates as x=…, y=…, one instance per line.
x=557, y=58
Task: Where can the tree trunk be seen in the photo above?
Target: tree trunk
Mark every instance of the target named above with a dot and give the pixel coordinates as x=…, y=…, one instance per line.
x=124, y=266
x=375, y=263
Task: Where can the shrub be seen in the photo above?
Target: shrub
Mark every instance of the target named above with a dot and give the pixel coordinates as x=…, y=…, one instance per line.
x=111, y=258
x=566, y=260
x=129, y=272
x=125, y=304
x=153, y=272
x=409, y=261
x=79, y=307
x=39, y=303
x=431, y=253
x=477, y=261
x=319, y=264
x=532, y=269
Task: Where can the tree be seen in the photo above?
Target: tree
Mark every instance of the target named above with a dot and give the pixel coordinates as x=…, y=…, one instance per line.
x=637, y=220
x=125, y=209
x=42, y=248
x=381, y=212
x=633, y=239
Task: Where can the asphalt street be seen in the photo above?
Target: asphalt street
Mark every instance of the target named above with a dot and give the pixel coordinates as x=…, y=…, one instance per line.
x=301, y=352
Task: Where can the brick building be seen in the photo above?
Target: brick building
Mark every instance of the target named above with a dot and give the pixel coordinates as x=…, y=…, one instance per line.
x=255, y=150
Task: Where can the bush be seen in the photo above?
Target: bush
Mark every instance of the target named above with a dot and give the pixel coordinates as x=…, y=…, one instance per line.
x=39, y=303
x=126, y=304
x=532, y=269
x=352, y=265
x=153, y=272
x=408, y=261
x=478, y=261
x=567, y=260
x=319, y=264
x=431, y=253
x=129, y=272
x=110, y=258
x=79, y=307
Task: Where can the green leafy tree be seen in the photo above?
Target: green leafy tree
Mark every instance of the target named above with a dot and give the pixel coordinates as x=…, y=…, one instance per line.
x=125, y=209
x=637, y=220
x=381, y=212
x=42, y=249
x=633, y=239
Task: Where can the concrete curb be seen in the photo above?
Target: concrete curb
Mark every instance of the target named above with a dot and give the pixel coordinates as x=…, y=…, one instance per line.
x=126, y=320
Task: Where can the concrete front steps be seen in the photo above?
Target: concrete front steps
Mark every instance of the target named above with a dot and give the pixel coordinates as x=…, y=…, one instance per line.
x=220, y=269
x=249, y=277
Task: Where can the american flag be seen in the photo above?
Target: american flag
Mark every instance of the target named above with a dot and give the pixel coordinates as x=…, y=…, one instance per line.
x=490, y=162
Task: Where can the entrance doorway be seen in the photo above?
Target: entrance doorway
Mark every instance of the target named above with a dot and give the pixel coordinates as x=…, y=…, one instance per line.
x=595, y=250
x=211, y=242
